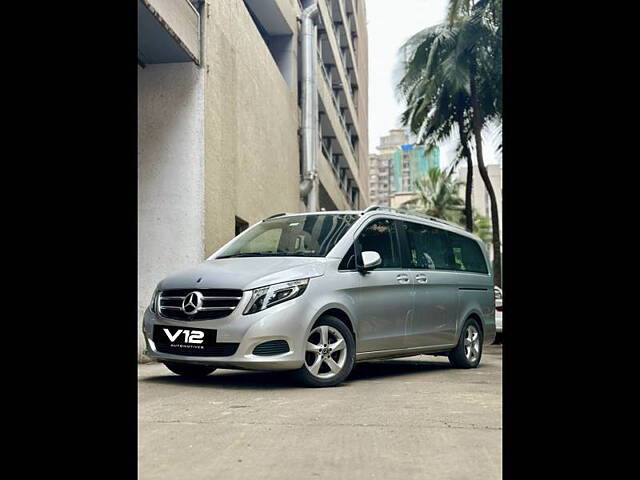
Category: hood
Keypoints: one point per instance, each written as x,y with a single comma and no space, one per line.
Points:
245,273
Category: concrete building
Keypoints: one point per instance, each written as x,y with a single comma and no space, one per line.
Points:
396,167
221,121
380,166
379,185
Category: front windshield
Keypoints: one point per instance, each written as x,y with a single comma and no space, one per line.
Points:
299,236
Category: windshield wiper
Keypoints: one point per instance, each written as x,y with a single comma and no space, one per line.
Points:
255,254
267,254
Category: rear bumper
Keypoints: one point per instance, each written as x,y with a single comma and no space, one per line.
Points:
498,322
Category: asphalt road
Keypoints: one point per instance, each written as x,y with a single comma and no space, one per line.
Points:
406,418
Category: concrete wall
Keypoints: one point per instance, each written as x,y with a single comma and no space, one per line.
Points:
170,173
251,126
362,47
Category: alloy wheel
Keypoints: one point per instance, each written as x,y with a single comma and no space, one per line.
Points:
472,343
326,352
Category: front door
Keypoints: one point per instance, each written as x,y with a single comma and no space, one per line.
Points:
384,299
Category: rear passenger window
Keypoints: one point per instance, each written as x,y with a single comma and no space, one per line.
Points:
428,247
380,236
440,248
418,244
467,254
431,248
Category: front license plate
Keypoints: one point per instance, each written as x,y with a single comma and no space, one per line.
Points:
183,340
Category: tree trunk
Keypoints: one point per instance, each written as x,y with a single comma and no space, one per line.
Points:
477,133
468,207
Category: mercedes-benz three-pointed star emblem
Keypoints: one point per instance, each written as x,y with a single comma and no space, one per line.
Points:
192,303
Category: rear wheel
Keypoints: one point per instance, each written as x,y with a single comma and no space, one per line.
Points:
330,353
468,352
189,371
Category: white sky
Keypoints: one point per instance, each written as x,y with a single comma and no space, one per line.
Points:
390,23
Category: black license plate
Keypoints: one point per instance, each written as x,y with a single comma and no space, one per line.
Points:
183,340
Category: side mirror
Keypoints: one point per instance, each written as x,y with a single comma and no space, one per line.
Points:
370,260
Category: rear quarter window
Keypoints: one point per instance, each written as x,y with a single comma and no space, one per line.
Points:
466,254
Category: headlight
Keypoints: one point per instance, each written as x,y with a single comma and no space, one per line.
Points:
154,301
271,295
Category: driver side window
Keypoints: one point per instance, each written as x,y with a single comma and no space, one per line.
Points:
381,236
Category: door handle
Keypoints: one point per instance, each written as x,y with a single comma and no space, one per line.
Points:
421,278
403,278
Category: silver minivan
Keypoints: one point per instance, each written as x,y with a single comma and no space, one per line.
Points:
316,292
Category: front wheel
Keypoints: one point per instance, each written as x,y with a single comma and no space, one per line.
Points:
330,353
189,371
468,352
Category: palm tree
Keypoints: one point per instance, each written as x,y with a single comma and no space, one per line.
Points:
437,196
435,107
461,60
479,47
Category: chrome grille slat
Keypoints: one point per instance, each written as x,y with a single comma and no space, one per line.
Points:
220,298
216,303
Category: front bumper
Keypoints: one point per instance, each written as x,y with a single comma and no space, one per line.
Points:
288,321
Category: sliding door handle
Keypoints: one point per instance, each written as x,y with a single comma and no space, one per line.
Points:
402,278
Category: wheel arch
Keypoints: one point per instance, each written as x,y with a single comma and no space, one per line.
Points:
339,313
477,318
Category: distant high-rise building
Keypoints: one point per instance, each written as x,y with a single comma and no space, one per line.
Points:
409,163
394,170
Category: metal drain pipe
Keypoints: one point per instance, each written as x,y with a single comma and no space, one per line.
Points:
309,186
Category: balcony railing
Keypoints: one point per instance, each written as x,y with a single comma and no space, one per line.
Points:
344,187
336,104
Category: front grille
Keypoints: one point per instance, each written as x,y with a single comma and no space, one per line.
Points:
272,347
217,303
216,350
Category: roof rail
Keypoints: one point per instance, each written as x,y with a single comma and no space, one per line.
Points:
413,213
275,215
430,217
371,208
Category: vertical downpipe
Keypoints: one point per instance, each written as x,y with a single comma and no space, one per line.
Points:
309,188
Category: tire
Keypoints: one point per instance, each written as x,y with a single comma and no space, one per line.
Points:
189,371
498,339
468,352
323,366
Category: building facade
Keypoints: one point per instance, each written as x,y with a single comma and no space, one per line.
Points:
480,200
220,117
395,168
409,163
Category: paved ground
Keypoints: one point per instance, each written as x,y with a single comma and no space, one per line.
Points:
405,418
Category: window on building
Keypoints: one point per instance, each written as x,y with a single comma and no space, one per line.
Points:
241,225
